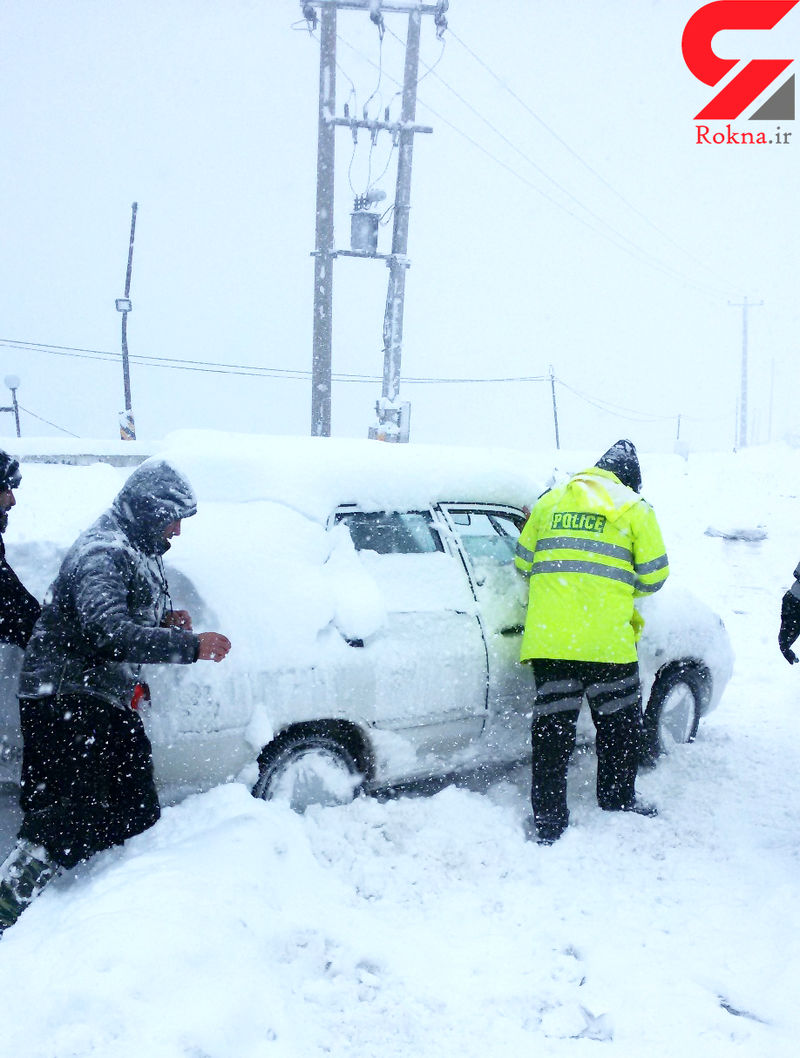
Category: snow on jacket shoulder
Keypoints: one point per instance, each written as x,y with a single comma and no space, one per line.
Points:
590,547
102,615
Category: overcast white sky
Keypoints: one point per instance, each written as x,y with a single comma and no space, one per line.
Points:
581,227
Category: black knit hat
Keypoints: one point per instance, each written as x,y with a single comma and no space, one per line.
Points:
621,459
10,476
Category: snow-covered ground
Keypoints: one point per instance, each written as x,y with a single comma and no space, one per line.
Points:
427,925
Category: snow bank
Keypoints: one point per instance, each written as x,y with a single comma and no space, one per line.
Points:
428,926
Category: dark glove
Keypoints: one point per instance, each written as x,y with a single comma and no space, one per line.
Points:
788,653
790,626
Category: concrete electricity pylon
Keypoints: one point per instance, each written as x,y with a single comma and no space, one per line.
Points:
744,306
127,427
392,415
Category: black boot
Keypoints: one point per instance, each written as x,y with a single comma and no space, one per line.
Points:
641,808
26,871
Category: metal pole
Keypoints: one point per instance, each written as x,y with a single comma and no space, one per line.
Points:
398,262
127,429
555,408
324,252
16,408
744,306
743,398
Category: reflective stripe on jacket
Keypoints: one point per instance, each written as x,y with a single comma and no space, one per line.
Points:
590,547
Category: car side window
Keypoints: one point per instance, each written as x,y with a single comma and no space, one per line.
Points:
392,532
487,534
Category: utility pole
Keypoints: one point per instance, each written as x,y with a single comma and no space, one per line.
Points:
323,247
392,415
127,429
13,383
388,413
555,409
744,306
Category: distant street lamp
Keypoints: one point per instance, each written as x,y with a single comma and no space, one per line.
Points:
13,383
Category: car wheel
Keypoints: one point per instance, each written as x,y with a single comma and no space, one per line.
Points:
307,769
673,711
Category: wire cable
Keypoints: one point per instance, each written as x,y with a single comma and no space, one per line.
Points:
53,424
633,250
615,191
632,414
535,165
245,370
376,90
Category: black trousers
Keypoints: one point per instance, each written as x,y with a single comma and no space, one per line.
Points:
614,696
87,776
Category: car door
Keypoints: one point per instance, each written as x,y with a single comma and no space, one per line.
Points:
487,536
427,665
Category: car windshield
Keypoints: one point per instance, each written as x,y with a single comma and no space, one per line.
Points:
391,532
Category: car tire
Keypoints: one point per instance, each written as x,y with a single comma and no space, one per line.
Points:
673,711
305,769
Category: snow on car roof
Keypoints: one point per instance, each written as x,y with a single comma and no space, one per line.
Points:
316,474
312,475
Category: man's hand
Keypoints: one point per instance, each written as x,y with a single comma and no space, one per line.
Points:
177,619
212,646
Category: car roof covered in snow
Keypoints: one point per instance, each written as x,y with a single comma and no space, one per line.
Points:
314,475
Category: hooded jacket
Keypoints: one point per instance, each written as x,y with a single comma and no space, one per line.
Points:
590,547
102,615
18,608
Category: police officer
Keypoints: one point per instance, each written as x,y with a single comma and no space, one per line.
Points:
589,547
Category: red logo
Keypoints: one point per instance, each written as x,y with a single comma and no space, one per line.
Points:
755,76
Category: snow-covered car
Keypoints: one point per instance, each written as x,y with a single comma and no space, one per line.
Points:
370,594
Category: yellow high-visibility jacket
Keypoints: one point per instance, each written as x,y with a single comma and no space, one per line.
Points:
590,547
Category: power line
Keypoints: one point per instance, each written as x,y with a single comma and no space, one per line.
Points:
615,191
535,165
633,250
633,414
53,424
245,370
106,356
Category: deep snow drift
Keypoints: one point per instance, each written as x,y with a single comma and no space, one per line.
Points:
427,926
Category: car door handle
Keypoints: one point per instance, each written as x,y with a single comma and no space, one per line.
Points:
354,642
512,630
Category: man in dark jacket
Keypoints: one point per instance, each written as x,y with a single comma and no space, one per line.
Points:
18,608
87,772
790,619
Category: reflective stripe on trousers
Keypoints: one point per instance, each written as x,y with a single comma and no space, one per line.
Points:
608,687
